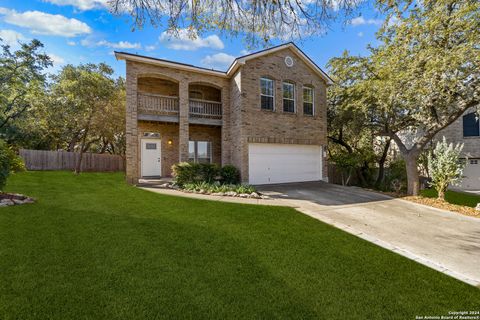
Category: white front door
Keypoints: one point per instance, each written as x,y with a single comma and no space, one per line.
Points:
281,163
151,158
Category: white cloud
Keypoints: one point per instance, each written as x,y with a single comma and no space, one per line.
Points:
113,45
11,37
244,52
81,4
360,34
150,48
57,60
218,61
189,41
44,23
358,21
71,43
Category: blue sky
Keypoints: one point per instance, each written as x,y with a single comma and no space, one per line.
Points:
81,31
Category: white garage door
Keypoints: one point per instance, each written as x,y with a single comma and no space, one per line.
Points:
280,163
471,173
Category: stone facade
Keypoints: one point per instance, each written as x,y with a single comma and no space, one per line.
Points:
242,122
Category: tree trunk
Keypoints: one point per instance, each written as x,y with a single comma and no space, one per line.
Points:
78,165
381,164
441,194
413,179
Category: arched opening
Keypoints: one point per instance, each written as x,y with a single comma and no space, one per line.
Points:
157,96
205,101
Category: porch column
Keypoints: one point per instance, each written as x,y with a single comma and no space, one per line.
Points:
183,132
226,139
131,152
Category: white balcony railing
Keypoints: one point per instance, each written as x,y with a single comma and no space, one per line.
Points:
205,109
156,104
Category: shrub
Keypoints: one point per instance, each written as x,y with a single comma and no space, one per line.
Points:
217,187
444,166
10,162
229,174
186,172
209,172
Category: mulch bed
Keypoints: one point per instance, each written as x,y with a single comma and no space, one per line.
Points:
440,204
433,202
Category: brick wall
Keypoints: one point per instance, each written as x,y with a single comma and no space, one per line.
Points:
454,133
276,126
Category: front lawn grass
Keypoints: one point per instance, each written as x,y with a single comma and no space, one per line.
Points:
94,248
454,197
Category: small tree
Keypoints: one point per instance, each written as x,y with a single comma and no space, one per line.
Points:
444,166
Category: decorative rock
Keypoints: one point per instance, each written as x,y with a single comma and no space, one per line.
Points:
254,195
3,204
8,202
220,194
477,207
264,197
18,201
165,185
28,200
231,193
244,195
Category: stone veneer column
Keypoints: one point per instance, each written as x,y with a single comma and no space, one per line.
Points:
183,130
131,152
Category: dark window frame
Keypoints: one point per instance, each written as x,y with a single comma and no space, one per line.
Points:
471,125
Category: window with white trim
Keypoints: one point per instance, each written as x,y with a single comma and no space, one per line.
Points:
200,151
267,94
288,97
308,98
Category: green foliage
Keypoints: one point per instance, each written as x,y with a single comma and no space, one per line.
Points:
4,164
21,79
187,172
206,187
10,162
396,176
229,174
444,166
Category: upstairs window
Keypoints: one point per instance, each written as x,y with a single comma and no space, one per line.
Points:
267,94
288,97
200,151
308,107
471,125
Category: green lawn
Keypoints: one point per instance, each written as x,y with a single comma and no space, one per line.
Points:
454,197
94,248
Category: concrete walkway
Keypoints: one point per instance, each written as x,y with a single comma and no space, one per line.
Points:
442,240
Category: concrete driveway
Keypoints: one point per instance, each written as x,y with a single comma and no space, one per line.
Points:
443,240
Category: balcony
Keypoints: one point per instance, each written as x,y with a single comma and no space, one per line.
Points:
204,109
156,107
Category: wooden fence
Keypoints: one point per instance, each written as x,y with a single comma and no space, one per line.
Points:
63,160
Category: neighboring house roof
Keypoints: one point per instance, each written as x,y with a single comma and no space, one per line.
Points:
233,67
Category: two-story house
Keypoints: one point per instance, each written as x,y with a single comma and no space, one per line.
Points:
266,115
466,130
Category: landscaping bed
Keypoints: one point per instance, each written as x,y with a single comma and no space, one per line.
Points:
11,199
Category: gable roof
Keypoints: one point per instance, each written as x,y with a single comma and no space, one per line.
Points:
233,67
241,60
167,63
